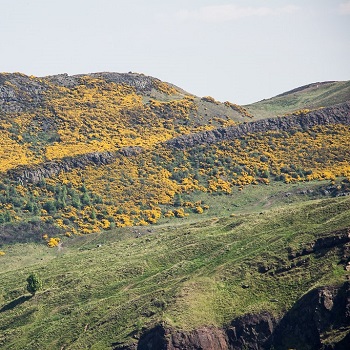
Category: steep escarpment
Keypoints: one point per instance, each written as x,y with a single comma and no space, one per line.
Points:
339,114
36,173
320,319
316,320
51,169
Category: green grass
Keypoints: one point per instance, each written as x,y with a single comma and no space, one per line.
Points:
252,199
323,95
183,273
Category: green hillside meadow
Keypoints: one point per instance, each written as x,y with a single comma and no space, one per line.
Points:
106,288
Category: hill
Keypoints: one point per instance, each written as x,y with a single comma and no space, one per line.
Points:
311,96
54,117
154,216
86,153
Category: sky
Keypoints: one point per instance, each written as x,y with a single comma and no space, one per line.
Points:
237,51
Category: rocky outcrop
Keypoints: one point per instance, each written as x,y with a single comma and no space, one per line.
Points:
306,325
209,338
251,331
37,173
141,82
309,325
19,92
338,114
247,332
204,338
339,239
131,151
336,238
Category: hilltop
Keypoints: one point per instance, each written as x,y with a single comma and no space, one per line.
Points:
160,219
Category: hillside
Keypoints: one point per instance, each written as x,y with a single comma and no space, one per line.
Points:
159,219
107,289
87,153
311,96
53,117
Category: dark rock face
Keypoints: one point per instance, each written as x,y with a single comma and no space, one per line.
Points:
318,311
131,151
203,338
304,327
208,338
338,114
19,92
336,238
36,173
153,339
251,331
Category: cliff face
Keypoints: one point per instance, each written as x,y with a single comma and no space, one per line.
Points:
319,320
19,93
308,325
35,174
339,114
313,319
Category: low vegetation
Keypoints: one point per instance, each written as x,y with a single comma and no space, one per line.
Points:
312,96
142,188
104,289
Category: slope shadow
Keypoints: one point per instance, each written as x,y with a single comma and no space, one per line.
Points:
15,303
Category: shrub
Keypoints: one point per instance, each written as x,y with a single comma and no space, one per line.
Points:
53,242
34,284
198,210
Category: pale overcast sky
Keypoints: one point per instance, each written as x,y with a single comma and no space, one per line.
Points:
241,51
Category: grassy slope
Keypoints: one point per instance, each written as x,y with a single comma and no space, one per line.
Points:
311,97
185,273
